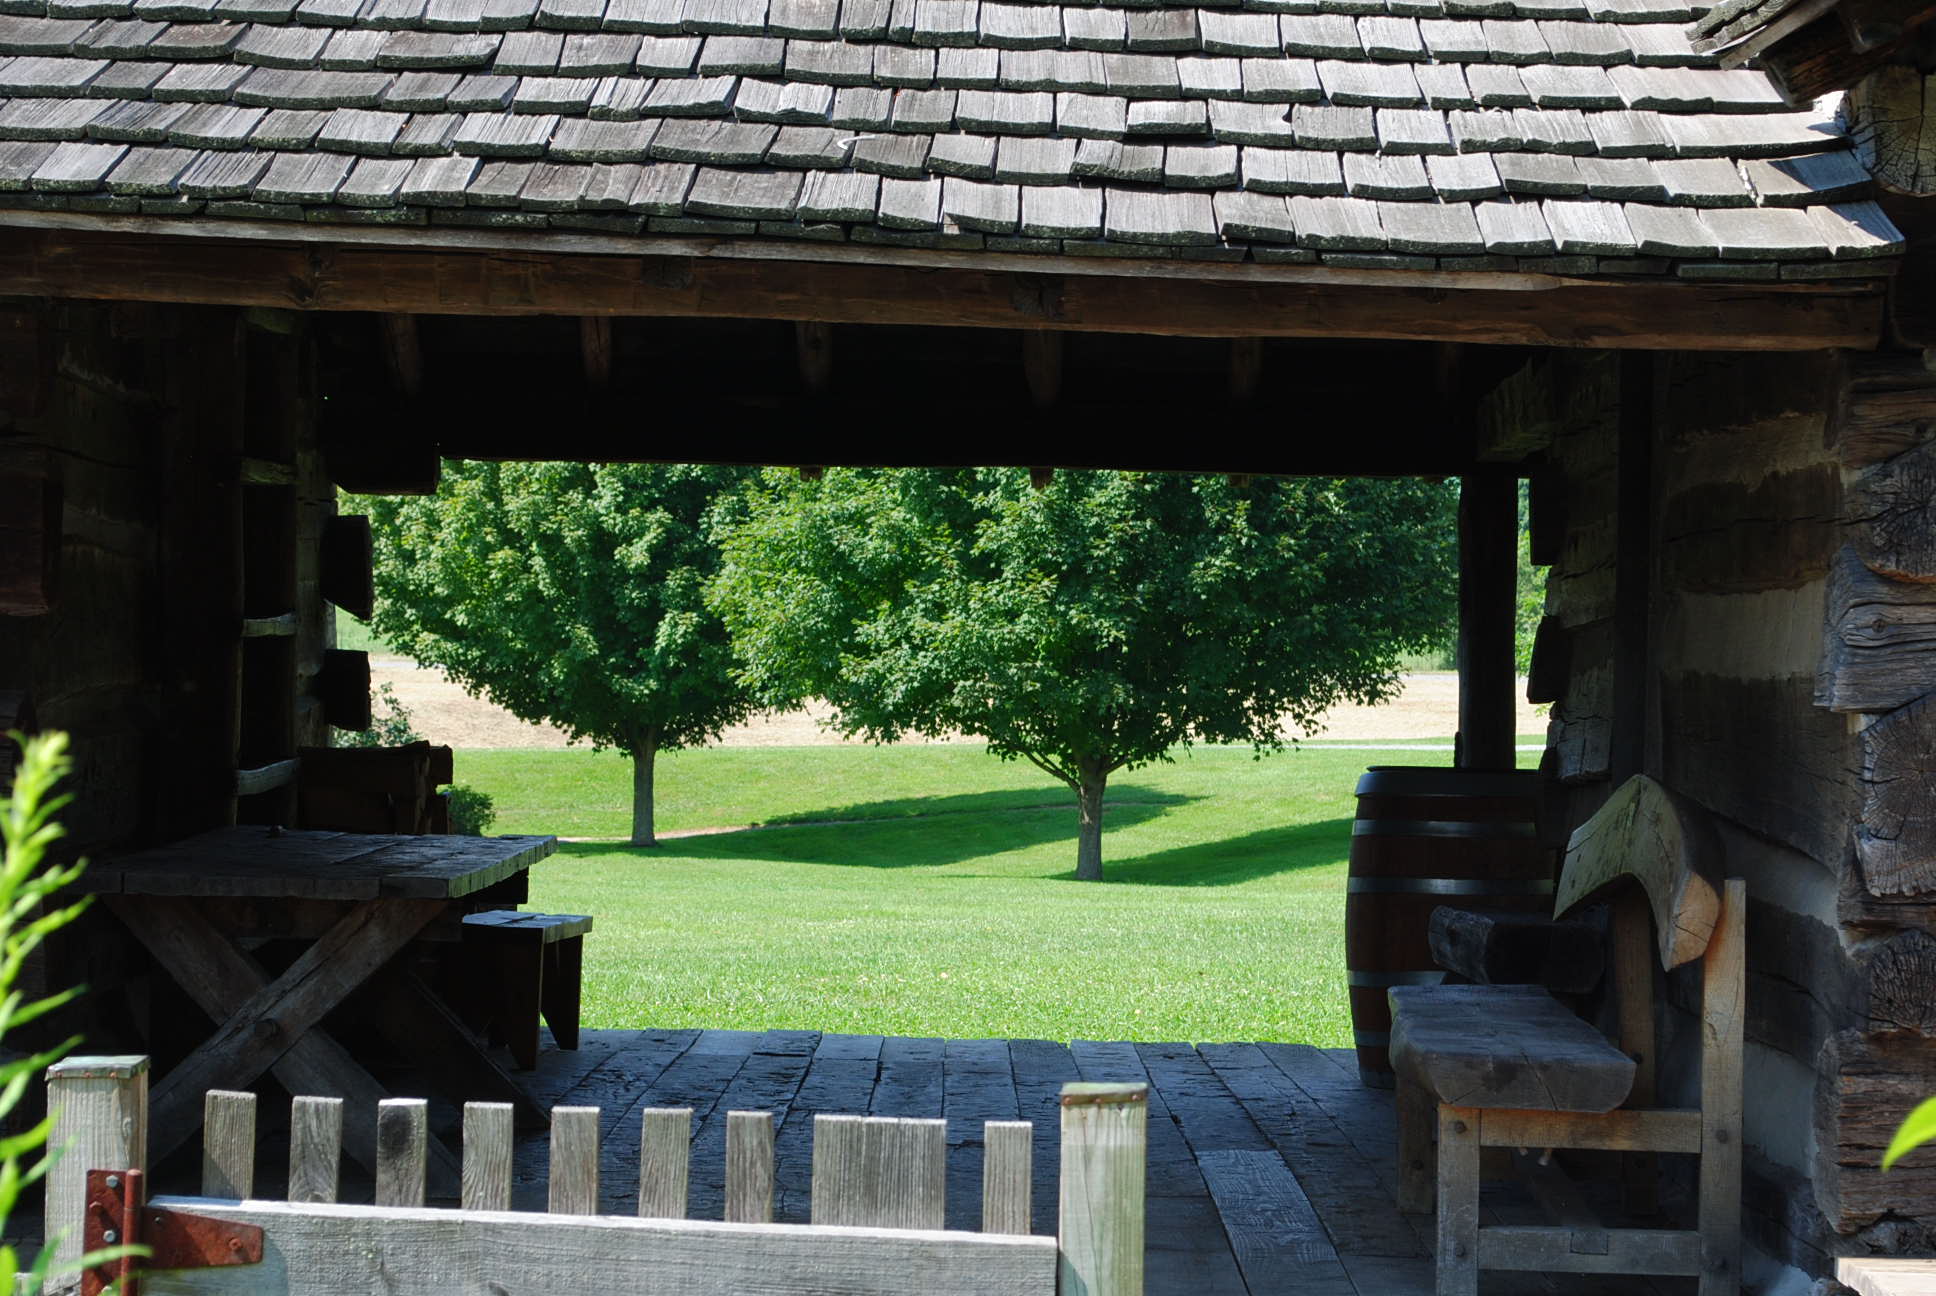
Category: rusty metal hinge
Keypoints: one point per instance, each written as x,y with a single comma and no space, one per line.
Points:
118,1214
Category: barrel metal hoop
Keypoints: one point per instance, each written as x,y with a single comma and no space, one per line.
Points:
1494,828
1429,978
1448,886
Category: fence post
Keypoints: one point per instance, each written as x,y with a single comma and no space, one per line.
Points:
1105,1142
100,1110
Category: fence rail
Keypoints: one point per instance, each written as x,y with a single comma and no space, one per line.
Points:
878,1196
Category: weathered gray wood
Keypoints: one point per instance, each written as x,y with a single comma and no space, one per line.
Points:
240,1050
1662,841
749,1167
1890,124
1006,1194
487,1155
1723,1011
1104,1141
1560,1250
1457,1252
574,1161
1504,1046
1878,639
228,1144
1886,1276
665,1140
1869,1080
402,1137
1498,948
1279,1243
1418,1115
1893,499
1896,839
330,1250
879,1171
315,1148
100,1111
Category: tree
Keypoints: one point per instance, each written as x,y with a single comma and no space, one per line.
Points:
569,593
1091,626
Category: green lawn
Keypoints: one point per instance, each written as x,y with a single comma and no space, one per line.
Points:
948,908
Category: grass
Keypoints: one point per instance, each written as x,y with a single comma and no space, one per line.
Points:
356,636
946,907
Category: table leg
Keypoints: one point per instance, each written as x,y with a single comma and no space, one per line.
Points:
271,1024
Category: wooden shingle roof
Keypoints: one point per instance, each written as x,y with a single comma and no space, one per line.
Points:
1578,137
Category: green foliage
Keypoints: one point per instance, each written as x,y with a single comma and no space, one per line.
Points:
1529,604
1918,1128
27,883
1089,627
471,811
571,594
390,724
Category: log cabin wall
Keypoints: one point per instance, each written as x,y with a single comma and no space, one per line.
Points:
139,428
1778,486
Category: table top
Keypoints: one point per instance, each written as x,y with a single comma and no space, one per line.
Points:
286,863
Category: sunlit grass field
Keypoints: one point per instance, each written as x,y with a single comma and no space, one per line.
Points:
927,890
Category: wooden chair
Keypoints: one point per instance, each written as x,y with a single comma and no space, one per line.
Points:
1511,1067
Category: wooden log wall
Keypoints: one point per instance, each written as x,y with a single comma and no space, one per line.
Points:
1791,613
144,426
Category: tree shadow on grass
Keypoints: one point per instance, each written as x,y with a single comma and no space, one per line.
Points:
1233,860
920,832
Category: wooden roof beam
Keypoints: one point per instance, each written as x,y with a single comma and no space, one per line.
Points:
958,289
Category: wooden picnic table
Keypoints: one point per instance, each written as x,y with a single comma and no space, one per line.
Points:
201,905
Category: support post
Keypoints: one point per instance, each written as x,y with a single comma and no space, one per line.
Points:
100,1111
1105,1141
1488,582
1632,568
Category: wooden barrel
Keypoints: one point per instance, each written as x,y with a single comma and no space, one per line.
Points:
1426,837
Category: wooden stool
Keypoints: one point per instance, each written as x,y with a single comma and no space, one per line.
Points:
536,961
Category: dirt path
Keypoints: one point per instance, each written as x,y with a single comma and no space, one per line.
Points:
444,713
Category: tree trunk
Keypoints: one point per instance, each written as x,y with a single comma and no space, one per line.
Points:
644,750
1089,836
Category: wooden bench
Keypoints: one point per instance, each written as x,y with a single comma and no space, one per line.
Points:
534,962
1510,1066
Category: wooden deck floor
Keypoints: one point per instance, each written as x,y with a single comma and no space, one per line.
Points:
1270,1165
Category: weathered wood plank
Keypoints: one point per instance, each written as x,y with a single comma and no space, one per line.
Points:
1007,1188
1504,1046
1040,1069
1896,841
402,1137
1456,1254
1664,842
1242,301
1278,1240
1869,1081
1723,1018
315,1148
487,1156
1893,500
1878,639
328,1250
574,1161
840,1078
1100,1227
879,1171
228,1144
1348,1190
766,1082
665,1164
749,1167
100,1111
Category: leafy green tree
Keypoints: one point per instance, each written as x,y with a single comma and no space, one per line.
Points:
1091,626
572,594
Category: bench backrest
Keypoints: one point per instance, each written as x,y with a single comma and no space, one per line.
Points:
1649,835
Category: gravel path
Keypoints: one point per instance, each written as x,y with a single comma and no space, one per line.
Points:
444,713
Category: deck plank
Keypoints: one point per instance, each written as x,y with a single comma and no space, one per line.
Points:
767,1083
1273,1230
839,1081
978,1085
1041,1068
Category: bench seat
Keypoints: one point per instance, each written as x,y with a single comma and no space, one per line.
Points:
528,965
1504,1046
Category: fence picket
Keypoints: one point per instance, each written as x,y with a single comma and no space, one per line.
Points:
100,1109
574,1161
402,1148
749,1167
315,1148
228,1144
665,1162
1105,1139
1006,1187
879,1171
487,1156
